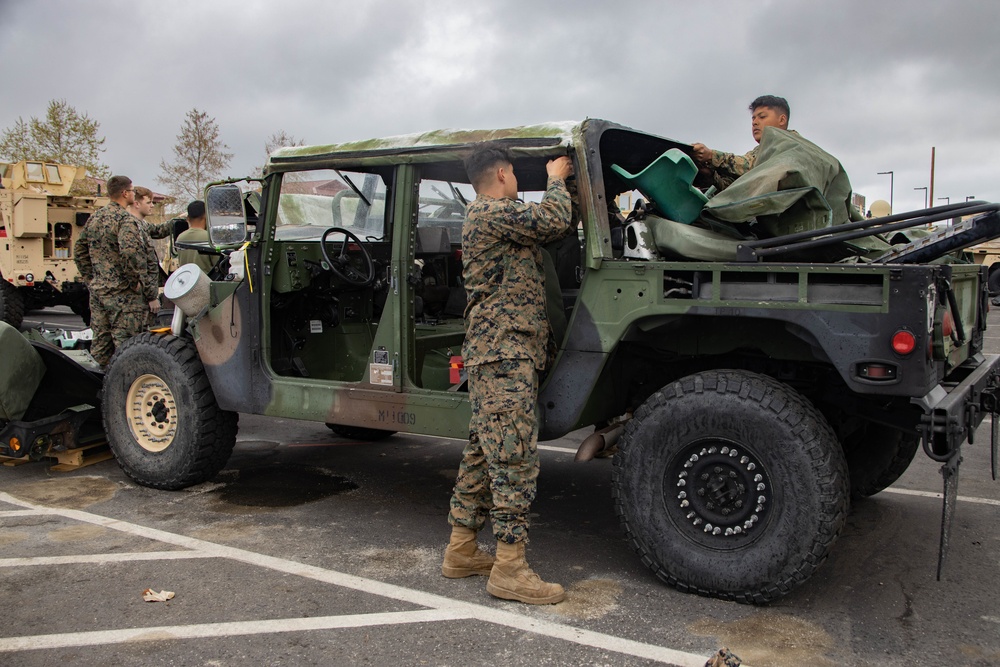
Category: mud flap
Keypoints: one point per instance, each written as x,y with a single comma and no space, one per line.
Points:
949,471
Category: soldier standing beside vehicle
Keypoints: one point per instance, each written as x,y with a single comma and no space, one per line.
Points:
504,350
141,209
723,168
195,233
111,255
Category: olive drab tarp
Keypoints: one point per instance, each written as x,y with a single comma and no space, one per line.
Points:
21,371
795,186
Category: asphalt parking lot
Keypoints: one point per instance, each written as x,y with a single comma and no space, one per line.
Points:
312,549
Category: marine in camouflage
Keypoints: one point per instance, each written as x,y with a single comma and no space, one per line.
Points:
504,275
505,347
112,255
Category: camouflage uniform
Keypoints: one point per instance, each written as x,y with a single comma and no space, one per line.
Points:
112,255
505,347
159,230
727,167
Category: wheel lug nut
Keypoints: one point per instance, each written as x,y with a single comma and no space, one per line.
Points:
701,492
739,504
704,476
718,470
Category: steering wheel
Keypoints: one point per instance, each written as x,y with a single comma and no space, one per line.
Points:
340,264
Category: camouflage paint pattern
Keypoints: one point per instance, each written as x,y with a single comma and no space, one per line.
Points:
618,300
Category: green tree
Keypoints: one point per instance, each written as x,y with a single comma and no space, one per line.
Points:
199,158
63,135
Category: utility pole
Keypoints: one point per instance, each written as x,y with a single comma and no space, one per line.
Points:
891,179
932,173
924,188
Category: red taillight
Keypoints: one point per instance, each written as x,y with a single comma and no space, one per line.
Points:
947,324
455,368
903,342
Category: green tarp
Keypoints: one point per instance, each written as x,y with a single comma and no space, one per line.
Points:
21,371
795,186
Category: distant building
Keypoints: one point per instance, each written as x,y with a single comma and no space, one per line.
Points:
858,200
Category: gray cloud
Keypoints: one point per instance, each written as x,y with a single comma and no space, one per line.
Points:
876,83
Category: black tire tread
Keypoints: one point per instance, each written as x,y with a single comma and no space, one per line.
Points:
873,474
11,305
785,404
215,431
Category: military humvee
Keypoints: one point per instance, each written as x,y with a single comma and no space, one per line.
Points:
763,390
40,221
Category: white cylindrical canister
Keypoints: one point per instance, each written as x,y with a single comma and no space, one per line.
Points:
187,287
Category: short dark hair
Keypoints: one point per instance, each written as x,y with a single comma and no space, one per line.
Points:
141,192
772,101
196,209
117,185
485,157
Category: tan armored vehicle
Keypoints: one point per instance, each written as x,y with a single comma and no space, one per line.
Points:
39,223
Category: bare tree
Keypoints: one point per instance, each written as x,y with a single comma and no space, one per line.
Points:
273,143
199,157
63,135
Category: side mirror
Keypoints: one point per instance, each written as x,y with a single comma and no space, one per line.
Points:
227,221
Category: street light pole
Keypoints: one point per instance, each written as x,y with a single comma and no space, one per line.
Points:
947,200
970,197
891,179
925,194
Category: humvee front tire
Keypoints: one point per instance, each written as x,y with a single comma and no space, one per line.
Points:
11,305
732,485
160,414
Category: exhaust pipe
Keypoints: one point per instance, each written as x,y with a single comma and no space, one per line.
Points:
599,441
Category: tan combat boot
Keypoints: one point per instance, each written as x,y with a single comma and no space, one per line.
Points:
462,556
512,579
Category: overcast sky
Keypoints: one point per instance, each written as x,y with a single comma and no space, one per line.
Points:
875,83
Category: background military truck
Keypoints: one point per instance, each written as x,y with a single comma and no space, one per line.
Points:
760,391
39,223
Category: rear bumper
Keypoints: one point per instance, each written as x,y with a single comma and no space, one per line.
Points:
953,410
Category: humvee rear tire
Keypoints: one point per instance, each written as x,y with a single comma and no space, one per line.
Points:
160,414
359,432
81,308
732,485
877,456
993,282
11,305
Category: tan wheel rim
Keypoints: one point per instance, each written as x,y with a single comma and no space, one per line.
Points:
152,413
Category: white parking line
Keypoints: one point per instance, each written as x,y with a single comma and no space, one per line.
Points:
436,603
932,494
200,631
104,558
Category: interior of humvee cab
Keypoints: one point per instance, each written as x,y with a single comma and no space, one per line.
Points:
323,326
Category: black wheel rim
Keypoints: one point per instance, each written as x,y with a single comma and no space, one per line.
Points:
718,493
